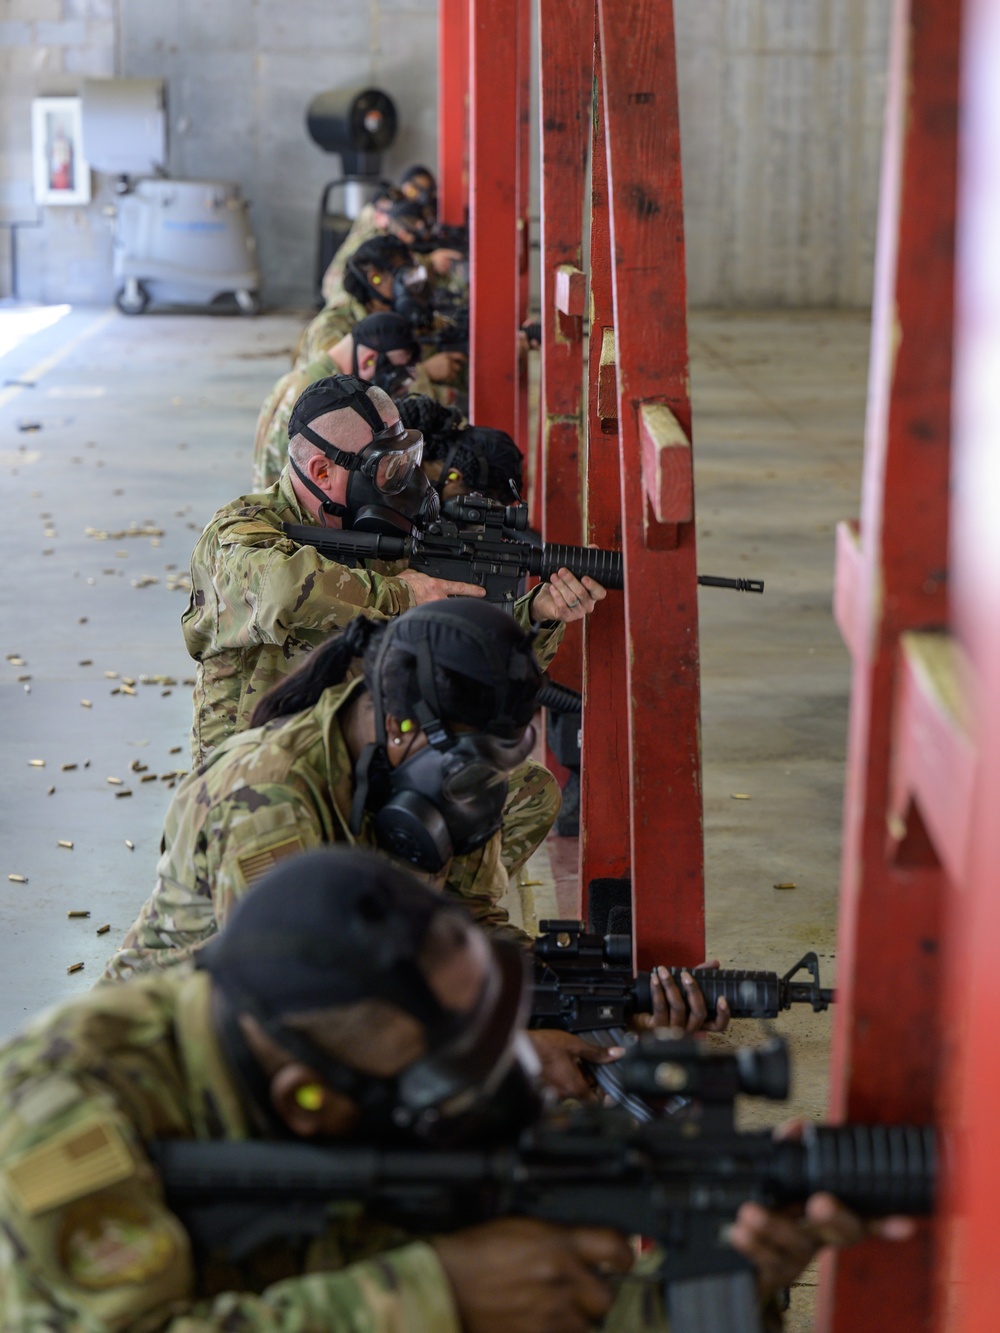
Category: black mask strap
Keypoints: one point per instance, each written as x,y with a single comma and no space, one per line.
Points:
326,505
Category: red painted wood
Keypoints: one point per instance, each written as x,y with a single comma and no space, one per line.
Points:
522,208
605,825
570,291
973,974
493,234
933,762
647,234
847,580
453,120
667,471
887,1037
565,87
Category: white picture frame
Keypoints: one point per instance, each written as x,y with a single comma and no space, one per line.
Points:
60,172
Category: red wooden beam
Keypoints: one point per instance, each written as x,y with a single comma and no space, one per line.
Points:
887,1024
453,118
605,827
493,233
647,233
566,75
974,977
522,209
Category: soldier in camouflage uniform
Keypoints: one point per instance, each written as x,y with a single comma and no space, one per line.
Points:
88,1243
300,777
376,261
351,355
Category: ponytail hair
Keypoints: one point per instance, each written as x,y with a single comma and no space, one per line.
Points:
324,667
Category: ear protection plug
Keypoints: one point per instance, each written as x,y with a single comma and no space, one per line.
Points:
309,1096
406,726
376,280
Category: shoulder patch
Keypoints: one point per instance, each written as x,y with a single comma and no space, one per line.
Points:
256,863
89,1156
109,1242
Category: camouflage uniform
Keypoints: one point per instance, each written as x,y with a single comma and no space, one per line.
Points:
327,328
270,444
285,788
87,1244
258,602
362,229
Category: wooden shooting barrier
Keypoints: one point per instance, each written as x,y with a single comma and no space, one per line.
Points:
641,812
917,593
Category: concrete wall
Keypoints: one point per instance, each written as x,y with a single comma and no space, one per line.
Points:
46,48
781,104
781,119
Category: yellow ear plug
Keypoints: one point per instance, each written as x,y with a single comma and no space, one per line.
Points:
309,1096
406,726
453,475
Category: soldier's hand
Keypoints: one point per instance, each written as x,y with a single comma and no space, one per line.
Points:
566,598
560,1054
442,261
524,1276
781,1242
443,367
426,589
681,1009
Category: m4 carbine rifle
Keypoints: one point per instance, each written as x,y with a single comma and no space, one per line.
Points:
678,1181
471,544
585,983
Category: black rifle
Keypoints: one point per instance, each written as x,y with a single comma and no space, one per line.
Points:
678,1181
470,544
585,983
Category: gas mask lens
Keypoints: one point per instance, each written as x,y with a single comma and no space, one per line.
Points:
394,470
414,280
478,763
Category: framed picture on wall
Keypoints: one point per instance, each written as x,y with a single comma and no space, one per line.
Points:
61,174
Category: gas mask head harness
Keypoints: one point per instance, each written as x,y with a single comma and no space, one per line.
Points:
386,490
338,926
447,799
384,333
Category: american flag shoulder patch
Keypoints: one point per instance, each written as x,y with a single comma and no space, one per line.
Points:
256,863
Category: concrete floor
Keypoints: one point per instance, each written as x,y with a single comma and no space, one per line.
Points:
149,422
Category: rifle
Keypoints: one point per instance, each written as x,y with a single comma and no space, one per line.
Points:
470,544
677,1181
585,983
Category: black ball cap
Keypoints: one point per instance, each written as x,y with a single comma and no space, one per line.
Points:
330,927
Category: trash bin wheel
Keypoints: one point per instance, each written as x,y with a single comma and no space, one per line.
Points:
248,302
132,299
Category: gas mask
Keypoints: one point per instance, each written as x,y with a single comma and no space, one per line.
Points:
411,296
387,491
478,1082
448,798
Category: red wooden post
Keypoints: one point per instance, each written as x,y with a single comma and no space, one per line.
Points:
975,547
522,271
893,580
605,835
661,608
566,62
493,235
453,119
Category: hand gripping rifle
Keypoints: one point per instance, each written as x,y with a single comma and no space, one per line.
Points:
471,543
678,1181
585,983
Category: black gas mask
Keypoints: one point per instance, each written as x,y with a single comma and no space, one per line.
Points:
448,798
384,333
338,926
387,491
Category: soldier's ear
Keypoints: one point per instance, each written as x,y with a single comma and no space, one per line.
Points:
307,1106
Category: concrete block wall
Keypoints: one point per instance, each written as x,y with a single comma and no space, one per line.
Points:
46,48
781,126
240,75
781,107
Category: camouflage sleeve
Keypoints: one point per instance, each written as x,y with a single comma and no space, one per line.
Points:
289,589
87,1245
548,635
